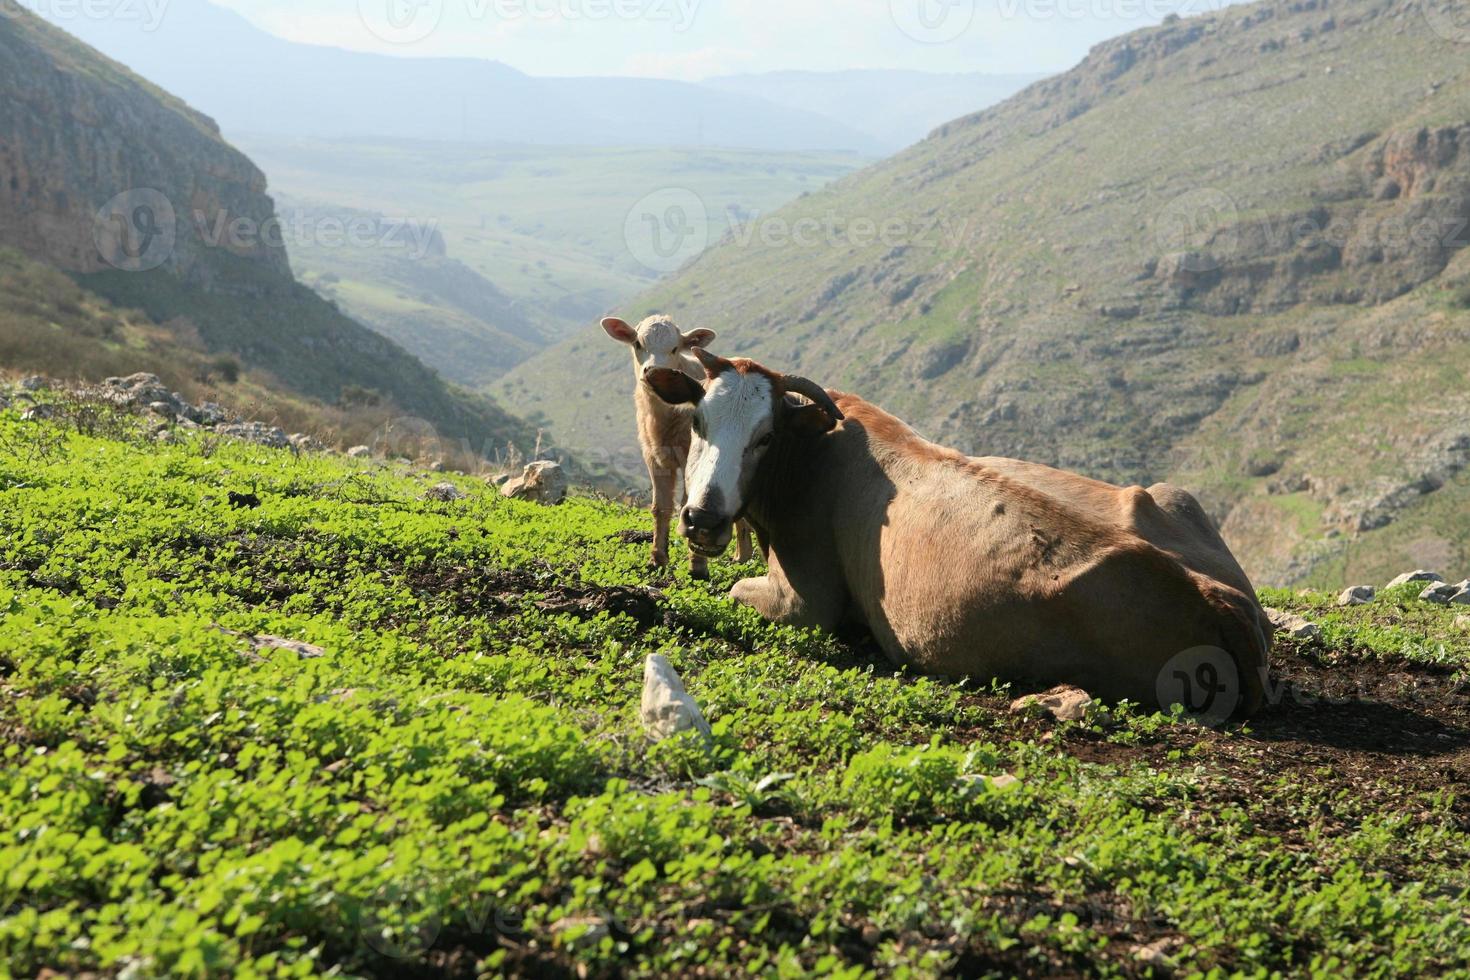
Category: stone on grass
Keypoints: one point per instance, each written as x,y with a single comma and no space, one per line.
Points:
1063,702
1439,593
1294,626
359,452
1461,598
1462,622
543,482
38,412
1358,595
445,492
1418,575
262,645
667,708
256,432
305,443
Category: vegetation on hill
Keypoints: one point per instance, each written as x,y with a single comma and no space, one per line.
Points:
450,780
1225,251
51,326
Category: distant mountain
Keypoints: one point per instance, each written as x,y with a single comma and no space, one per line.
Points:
251,81
137,196
895,108
1228,250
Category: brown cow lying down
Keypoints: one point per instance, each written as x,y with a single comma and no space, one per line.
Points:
966,567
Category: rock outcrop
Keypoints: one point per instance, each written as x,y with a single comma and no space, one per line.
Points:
100,170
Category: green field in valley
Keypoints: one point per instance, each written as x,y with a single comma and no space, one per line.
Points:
454,780
547,227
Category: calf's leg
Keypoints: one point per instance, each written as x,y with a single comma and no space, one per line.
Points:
663,512
743,550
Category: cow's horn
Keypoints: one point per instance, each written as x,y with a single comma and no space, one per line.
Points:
814,391
713,363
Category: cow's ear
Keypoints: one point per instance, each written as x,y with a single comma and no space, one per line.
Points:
698,338
812,419
674,387
619,330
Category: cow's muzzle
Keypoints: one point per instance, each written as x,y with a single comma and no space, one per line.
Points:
707,531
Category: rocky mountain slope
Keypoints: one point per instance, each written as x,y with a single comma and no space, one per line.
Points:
1227,251
137,196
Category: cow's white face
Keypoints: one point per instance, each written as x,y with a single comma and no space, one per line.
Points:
734,423
658,343
739,410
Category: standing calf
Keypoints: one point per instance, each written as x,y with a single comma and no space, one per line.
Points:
663,429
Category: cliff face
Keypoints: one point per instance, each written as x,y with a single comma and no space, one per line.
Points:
100,170
137,196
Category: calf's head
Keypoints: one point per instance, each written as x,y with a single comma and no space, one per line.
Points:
740,409
657,344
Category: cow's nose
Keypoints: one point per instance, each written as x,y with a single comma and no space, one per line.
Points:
703,520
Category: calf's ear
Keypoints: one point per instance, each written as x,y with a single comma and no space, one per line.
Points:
698,338
619,330
674,387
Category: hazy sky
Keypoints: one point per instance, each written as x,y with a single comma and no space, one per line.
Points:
693,39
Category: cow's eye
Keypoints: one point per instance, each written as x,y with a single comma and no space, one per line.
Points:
637,345
764,440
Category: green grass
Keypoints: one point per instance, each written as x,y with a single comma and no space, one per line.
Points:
459,785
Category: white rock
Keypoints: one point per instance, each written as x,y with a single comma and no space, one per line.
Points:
1358,595
667,708
359,452
1420,575
1064,703
445,492
542,482
1293,625
1462,622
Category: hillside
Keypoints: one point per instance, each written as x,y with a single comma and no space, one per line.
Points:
466,100
1101,273
535,240
268,714
895,108
139,198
